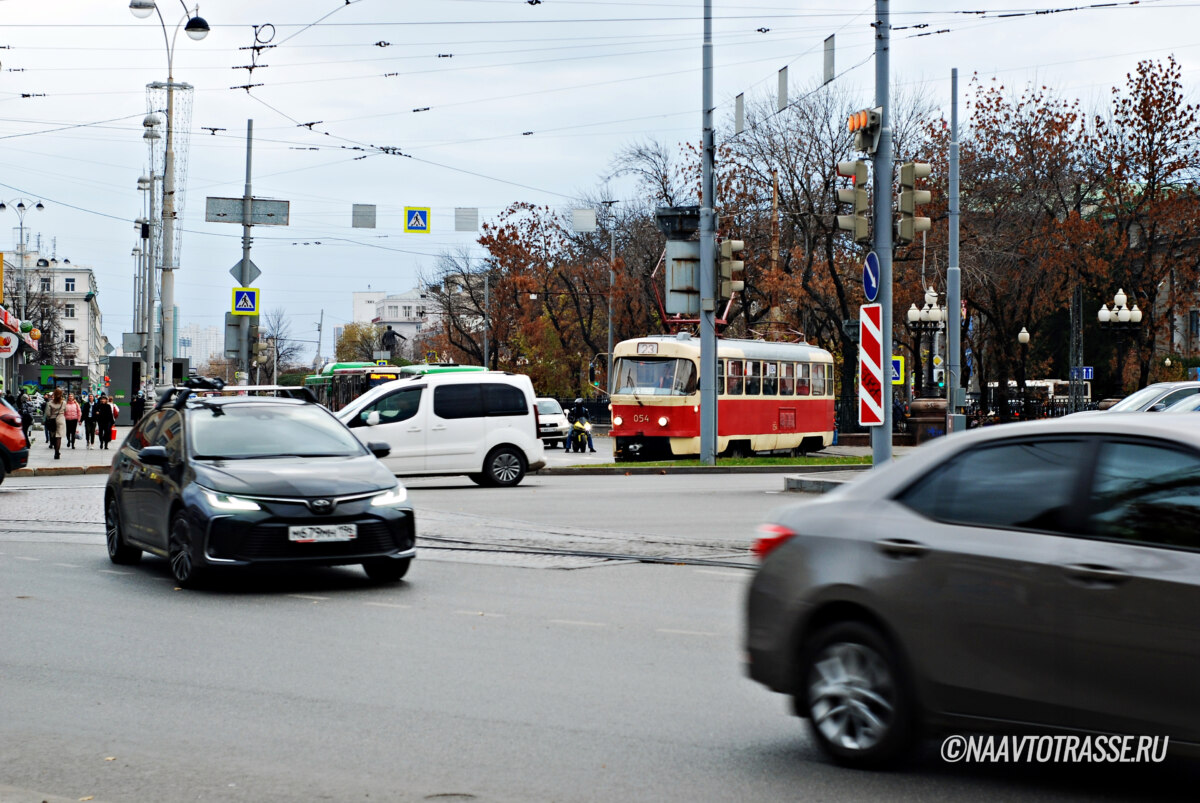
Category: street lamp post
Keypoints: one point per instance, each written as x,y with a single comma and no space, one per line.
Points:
22,289
927,319
1123,321
196,29
612,277
1023,339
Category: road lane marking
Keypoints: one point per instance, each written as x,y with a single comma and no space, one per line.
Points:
22,557
481,613
685,632
577,623
720,574
67,565
308,597
386,605
112,571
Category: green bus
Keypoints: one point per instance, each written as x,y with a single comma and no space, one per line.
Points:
321,383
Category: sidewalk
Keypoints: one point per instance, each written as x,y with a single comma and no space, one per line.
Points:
80,460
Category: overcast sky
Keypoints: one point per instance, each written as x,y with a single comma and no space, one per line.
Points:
585,78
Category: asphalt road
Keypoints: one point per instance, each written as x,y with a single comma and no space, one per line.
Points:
483,676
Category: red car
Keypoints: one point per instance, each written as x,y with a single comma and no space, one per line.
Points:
14,448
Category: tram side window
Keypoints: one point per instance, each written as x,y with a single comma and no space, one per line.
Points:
787,379
753,377
734,383
721,377
770,383
818,380
802,378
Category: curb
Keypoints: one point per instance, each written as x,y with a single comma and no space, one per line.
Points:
641,470
59,471
811,484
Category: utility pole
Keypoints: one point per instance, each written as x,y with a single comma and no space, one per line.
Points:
955,421
247,200
708,261
486,317
320,323
881,436
612,278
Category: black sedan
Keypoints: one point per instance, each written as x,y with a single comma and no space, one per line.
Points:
228,480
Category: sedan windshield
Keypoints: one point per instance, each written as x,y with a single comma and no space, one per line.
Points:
659,376
238,431
1137,401
549,407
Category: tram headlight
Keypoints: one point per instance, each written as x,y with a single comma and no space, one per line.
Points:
617,420
662,422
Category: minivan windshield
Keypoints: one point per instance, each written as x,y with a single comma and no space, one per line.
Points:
657,376
241,431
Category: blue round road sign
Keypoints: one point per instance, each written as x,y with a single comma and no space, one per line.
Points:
871,277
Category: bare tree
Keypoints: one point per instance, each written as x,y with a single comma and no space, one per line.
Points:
278,329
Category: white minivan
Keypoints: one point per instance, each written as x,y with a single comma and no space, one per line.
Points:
482,424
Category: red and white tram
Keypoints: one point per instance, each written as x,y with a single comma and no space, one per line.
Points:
770,396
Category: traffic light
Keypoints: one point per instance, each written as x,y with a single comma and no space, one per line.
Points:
910,199
939,377
865,125
857,198
592,375
731,272
257,347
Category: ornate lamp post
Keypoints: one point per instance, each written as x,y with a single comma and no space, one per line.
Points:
929,319
1122,321
21,289
1023,339
196,29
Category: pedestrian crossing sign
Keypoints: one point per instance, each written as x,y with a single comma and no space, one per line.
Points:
245,301
416,219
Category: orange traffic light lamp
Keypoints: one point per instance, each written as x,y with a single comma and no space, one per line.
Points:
865,125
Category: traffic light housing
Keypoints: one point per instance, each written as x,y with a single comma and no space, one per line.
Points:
731,272
865,125
856,196
910,198
592,375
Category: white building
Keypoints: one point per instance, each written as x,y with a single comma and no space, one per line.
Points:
201,344
409,314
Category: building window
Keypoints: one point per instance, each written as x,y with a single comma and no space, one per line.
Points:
392,311
68,310
69,336
45,285
407,312
418,327
69,285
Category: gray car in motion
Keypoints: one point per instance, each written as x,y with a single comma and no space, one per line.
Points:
1040,576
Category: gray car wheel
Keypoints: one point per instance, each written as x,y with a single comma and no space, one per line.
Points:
180,554
504,467
118,551
855,696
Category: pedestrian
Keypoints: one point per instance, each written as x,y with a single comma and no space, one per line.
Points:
137,407
86,409
54,418
105,418
45,427
72,416
580,413
26,409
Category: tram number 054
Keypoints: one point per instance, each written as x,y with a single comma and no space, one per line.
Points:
641,418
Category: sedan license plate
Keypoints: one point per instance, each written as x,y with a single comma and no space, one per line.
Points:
327,532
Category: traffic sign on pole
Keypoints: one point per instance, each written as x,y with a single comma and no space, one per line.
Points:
871,276
870,365
245,301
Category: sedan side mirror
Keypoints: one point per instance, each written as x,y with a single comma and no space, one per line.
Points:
1157,408
380,449
371,419
153,455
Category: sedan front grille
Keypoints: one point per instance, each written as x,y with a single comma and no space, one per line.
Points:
270,541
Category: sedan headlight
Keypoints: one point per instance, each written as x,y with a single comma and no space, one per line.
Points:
390,498
222,501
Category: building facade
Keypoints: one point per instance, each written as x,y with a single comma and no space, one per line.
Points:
410,315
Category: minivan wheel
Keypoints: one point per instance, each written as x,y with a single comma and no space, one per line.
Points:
386,570
855,696
118,551
504,467
180,554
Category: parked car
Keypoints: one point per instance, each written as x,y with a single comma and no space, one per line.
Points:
1151,399
229,480
1188,404
14,448
483,424
553,425
1042,575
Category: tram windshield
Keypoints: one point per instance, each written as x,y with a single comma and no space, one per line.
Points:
656,376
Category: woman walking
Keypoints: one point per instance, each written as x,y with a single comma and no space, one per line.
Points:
73,415
55,421
89,424
104,420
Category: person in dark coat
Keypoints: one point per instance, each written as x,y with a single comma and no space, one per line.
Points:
137,407
86,407
104,420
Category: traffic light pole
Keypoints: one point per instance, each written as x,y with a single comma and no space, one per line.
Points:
881,436
708,263
954,392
